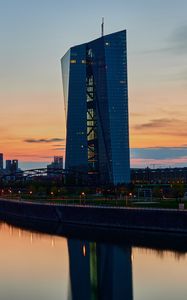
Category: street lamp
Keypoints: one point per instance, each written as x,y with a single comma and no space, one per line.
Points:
19,192
10,192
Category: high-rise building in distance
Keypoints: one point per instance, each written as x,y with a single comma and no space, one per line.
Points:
12,165
58,161
1,161
95,91
8,165
56,165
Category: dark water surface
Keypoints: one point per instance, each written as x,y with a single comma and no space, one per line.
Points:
36,266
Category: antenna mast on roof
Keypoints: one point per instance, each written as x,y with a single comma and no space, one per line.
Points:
102,27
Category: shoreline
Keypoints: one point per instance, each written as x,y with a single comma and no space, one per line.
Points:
146,219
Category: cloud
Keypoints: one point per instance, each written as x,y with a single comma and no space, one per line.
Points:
174,110
178,40
137,114
155,123
26,155
165,156
47,156
159,153
158,50
59,148
143,163
44,140
163,126
175,44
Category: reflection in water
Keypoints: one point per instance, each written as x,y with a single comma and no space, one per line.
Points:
99,271
161,253
36,266
33,266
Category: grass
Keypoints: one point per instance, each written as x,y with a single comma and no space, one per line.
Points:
156,202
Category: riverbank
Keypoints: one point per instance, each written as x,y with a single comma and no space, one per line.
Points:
164,220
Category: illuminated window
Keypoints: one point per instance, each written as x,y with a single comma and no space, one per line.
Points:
73,61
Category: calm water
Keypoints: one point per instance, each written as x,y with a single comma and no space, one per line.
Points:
39,266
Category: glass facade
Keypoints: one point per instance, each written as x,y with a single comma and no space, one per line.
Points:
96,101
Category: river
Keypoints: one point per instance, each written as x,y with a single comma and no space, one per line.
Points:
38,266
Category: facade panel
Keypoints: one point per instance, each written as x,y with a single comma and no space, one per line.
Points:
65,66
117,90
76,138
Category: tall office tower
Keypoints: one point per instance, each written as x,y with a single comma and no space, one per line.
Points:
1,161
57,164
95,90
14,165
58,161
8,165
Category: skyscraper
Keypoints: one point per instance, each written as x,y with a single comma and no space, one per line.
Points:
95,90
12,165
1,161
8,165
56,165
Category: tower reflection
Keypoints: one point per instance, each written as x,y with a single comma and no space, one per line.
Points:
100,271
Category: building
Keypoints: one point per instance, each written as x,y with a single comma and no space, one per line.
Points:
55,166
58,162
159,176
12,166
1,161
8,165
95,90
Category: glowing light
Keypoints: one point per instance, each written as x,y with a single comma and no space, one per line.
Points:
84,250
52,243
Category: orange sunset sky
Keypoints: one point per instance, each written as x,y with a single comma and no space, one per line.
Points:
36,34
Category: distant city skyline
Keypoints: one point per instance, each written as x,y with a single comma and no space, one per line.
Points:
33,37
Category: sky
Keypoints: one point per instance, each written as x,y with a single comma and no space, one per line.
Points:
35,34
